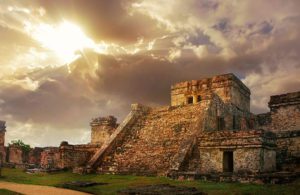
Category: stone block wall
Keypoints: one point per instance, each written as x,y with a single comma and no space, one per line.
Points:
253,151
50,157
72,156
2,141
16,155
34,156
233,118
285,118
211,160
284,114
269,160
288,150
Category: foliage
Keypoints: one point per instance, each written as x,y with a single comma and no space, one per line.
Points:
25,147
119,182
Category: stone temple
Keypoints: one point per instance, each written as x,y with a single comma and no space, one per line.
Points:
207,130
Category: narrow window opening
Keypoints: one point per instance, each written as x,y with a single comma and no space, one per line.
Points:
221,123
198,98
228,161
190,100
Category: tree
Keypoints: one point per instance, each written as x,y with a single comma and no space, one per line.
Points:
25,147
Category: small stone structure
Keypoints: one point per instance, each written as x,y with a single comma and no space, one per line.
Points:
207,130
102,128
228,87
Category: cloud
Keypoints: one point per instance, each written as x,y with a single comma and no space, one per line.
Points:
149,46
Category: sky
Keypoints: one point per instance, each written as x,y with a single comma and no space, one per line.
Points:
66,62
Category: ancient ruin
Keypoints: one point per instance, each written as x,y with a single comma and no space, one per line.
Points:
2,141
208,130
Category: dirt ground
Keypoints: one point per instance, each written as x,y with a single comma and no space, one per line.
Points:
37,190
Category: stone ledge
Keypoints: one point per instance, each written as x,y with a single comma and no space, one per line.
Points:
284,99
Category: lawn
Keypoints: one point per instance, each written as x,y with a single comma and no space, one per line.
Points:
118,182
8,192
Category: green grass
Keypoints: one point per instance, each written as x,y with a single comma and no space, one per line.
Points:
8,192
118,182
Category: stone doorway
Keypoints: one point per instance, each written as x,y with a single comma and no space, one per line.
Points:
228,161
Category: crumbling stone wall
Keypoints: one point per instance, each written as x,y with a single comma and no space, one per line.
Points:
50,157
72,156
2,141
16,155
34,156
232,117
288,150
284,114
284,121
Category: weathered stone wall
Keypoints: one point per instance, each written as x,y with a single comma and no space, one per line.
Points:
2,141
247,160
284,115
244,160
288,150
75,155
264,120
211,160
67,156
233,117
2,138
102,128
285,118
50,157
269,160
34,156
253,150
228,87
16,155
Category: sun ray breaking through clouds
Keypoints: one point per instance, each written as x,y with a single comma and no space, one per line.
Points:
65,62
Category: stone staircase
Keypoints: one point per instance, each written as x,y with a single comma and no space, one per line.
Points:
158,141
116,139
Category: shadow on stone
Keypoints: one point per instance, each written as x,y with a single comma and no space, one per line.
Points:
81,184
161,189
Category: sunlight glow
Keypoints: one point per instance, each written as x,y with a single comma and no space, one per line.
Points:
65,40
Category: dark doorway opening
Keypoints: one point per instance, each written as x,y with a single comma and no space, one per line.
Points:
190,100
228,161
